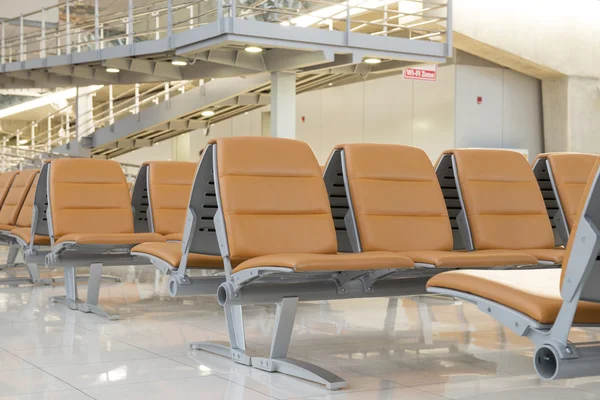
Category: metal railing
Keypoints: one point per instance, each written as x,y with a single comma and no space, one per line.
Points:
17,158
412,19
129,102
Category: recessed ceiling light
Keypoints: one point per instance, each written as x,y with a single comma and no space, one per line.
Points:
111,70
253,49
208,113
372,60
179,61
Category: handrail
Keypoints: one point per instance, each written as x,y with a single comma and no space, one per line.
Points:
423,19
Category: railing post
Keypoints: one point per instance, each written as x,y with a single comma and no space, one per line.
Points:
96,25
347,22
111,106
49,143
3,55
67,129
33,136
4,154
233,13
68,39
449,28
385,18
130,23
137,99
156,24
220,16
170,19
43,42
21,43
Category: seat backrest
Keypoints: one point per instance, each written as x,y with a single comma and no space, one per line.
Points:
25,215
396,199
583,246
169,184
273,197
504,206
16,196
6,181
88,196
571,172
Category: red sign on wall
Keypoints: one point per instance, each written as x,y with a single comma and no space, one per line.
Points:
423,73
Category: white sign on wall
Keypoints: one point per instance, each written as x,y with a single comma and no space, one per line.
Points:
422,73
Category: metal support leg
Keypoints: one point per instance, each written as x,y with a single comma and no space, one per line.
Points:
13,251
71,300
93,294
278,361
34,273
236,349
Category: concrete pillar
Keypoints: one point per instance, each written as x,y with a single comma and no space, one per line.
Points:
571,108
283,105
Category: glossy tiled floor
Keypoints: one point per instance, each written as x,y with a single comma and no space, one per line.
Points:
419,348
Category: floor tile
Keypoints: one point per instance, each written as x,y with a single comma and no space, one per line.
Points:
204,388
31,380
122,372
10,361
386,394
102,351
62,395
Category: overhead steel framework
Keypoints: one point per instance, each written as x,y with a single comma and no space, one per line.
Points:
199,51
141,42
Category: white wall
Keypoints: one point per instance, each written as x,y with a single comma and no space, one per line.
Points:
558,34
509,116
432,115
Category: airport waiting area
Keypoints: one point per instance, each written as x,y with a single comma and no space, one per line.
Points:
378,274
299,200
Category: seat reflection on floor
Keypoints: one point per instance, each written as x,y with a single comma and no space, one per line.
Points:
420,347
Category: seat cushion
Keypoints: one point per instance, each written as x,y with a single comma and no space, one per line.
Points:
305,262
172,237
170,252
554,255
25,234
110,238
469,259
6,227
535,293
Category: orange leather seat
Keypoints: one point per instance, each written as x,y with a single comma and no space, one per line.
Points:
471,259
171,254
169,187
23,225
399,206
555,255
303,262
503,202
174,237
6,181
90,204
5,227
276,209
570,172
25,234
535,293
111,238
15,198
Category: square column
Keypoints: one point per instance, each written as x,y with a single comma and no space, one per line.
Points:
283,105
